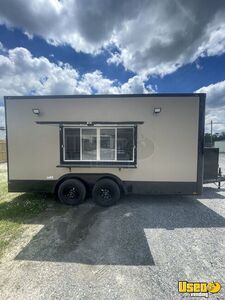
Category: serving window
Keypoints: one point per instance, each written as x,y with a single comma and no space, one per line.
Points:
99,145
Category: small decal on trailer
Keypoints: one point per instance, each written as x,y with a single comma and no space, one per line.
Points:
50,177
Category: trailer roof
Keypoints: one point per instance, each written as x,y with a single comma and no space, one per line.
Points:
106,96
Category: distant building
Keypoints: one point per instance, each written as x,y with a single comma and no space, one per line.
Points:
220,145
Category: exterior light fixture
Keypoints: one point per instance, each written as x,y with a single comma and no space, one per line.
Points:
36,111
157,110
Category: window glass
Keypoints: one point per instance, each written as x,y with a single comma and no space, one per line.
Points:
125,143
107,144
72,143
89,144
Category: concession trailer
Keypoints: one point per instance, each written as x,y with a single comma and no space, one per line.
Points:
105,145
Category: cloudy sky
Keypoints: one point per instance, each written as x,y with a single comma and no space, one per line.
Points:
114,46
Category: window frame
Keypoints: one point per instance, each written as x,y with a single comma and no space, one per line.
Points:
93,163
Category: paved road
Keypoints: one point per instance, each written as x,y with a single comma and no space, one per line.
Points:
138,249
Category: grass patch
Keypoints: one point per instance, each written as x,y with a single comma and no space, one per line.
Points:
16,209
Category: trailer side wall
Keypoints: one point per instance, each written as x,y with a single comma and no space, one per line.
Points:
167,143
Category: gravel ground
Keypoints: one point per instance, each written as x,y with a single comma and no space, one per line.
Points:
138,249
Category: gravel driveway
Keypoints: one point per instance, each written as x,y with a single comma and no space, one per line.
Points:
138,249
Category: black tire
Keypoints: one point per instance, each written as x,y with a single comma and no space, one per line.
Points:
72,192
106,192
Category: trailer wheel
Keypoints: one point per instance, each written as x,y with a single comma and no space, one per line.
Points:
106,192
71,192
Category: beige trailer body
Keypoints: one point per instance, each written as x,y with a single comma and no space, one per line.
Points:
167,148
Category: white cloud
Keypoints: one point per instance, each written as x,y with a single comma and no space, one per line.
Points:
153,37
213,40
2,48
166,36
136,84
115,58
215,105
23,74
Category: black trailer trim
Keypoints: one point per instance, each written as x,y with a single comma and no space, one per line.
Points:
161,188
105,96
30,186
201,129
61,143
134,187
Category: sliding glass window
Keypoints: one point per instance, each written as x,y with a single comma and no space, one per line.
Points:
104,144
